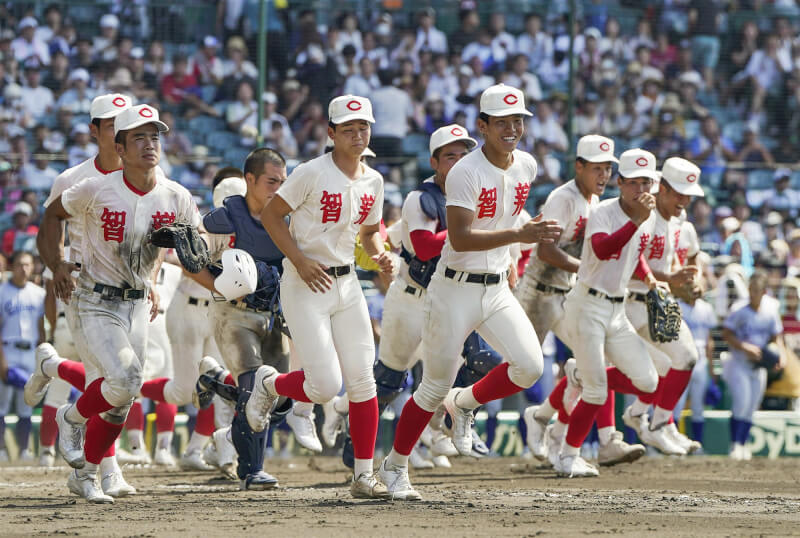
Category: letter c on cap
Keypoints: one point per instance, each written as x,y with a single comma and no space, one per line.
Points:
604,146
641,161
119,102
510,99
353,105
691,178
456,131
146,113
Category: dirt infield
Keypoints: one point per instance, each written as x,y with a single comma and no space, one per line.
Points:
702,496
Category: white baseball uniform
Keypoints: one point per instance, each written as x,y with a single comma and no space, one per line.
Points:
59,390
111,335
454,307
159,350
543,289
599,328
688,243
331,331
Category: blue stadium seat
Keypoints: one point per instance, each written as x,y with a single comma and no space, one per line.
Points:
219,142
201,126
415,143
235,156
760,179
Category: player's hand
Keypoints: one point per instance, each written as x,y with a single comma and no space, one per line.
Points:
684,276
752,351
63,282
537,230
385,262
313,273
154,299
642,205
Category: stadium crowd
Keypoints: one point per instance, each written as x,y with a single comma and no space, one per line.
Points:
711,80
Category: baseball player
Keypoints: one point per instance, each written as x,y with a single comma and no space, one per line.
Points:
617,231
551,275
330,199
486,190
103,110
22,329
114,297
674,360
748,329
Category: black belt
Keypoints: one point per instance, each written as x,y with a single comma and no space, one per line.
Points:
241,305
411,290
474,278
605,296
126,294
19,344
195,301
62,314
550,289
341,270
641,297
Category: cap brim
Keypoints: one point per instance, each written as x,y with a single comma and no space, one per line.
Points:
354,116
638,172
507,112
691,190
160,125
471,143
109,114
602,158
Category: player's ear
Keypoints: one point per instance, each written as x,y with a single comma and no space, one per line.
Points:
120,149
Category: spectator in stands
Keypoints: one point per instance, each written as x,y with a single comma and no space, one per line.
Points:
104,45
554,71
143,82
349,34
481,48
363,82
590,57
467,32
21,228
666,140
243,111
743,47
710,149
752,151
428,36
36,99
704,20
181,88
782,197
393,111
156,63
534,43
503,43
174,143
549,170
27,45
435,115
377,53
38,174
57,76
764,73
736,245
519,76
545,126
82,147
442,81
281,140
206,64
271,114
689,85
82,54
236,68
78,97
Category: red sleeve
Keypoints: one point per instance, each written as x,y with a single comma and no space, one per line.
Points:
8,242
642,268
523,261
605,245
427,244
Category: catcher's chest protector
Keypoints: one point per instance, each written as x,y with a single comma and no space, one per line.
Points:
234,217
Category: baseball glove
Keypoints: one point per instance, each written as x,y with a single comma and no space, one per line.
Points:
189,246
770,357
663,316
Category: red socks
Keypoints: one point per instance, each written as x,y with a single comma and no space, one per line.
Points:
580,422
412,422
229,380
557,396
204,425
73,373
165,417
135,420
495,385
154,389
674,383
364,428
605,415
48,431
622,383
92,402
291,385
100,437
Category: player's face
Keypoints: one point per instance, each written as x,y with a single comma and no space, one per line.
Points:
142,148
757,289
23,267
448,156
671,200
104,134
503,133
351,137
593,176
630,188
264,187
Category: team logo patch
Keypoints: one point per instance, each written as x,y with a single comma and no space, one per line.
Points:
691,178
119,102
510,99
353,105
604,146
641,161
456,131
146,113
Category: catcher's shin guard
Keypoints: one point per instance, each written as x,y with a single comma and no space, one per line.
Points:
249,444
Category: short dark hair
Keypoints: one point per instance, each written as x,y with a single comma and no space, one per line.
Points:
16,254
119,138
258,158
483,116
96,123
331,125
222,173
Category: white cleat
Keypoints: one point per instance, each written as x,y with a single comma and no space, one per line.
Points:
70,439
659,439
114,485
681,440
634,421
554,444
37,383
27,455
397,482
368,486
535,437
210,454
618,451
333,425
305,430
442,461
737,452
479,448
193,461
462,423
135,456
261,401
164,458
85,484
227,458
574,467
442,445
418,461
47,458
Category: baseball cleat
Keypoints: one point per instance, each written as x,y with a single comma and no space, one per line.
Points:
442,445
70,439
260,403
226,456
535,437
258,480
618,451
462,423
442,461
47,458
479,448
37,383
136,456
368,486
27,455
658,438
633,421
737,452
418,461
554,444
84,484
397,482
305,430
193,461
114,485
575,467
681,440
164,457
333,425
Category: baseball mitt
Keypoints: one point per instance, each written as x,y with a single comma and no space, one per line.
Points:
663,316
189,246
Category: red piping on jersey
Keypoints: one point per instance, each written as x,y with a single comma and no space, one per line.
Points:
642,268
427,244
605,245
104,172
132,188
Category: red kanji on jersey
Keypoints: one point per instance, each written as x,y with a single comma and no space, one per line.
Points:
657,247
643,240
580,227
520,196
677,237
331,206
487,203
366,205
113,225
162,219
682,254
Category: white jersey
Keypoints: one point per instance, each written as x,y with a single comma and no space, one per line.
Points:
660,251
118,218
700,318
167,284
328,208
496,196
688,244
570,208
612,275
65,180
20,311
